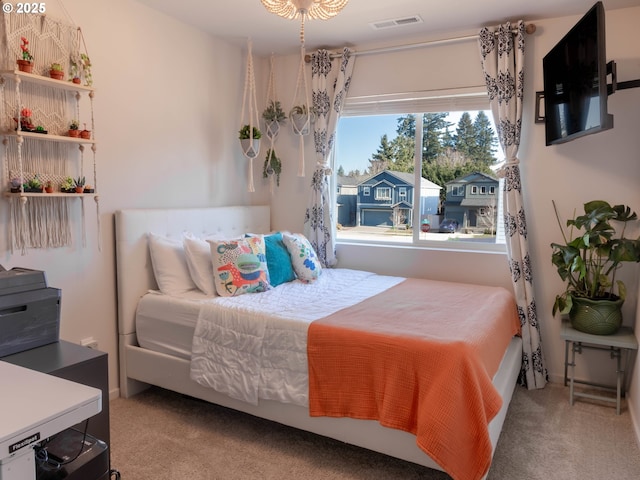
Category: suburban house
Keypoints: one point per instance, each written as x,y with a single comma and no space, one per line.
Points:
168,137
385,198
473,201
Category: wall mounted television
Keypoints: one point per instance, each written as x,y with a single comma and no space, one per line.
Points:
575,81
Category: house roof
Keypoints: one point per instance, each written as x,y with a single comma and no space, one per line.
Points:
405,177
474,177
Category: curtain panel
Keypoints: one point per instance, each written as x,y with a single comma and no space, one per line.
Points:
329,87
502,55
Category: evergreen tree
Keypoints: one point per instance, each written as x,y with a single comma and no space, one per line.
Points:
383,158
341,171
486,141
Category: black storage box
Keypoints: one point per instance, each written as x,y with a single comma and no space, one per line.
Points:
29,319
19,280
92,463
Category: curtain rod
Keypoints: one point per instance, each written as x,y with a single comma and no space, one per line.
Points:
530,28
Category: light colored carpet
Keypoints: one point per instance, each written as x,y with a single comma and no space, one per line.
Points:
159,434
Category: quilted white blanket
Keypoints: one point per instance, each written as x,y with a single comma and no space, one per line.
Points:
255,346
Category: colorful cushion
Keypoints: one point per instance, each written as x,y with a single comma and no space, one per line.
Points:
278,260
303,256
169,264
240,266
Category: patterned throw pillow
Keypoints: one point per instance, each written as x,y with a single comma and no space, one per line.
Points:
303,256
239,266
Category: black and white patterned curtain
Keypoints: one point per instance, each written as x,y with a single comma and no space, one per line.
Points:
329,92
503,65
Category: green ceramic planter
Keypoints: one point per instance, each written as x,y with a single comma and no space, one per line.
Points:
598,317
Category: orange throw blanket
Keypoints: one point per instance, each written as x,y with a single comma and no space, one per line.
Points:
419,357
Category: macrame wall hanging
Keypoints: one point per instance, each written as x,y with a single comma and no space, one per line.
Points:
250,132
44,220
301,114
273,117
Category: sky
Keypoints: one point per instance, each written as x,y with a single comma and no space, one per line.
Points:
359,138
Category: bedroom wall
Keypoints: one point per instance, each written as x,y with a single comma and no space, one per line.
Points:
166,111
603,166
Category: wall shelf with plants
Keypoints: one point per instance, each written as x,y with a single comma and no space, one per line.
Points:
44,146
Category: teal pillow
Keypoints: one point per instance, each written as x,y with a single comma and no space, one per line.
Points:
278,260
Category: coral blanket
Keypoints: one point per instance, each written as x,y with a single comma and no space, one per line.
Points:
418,357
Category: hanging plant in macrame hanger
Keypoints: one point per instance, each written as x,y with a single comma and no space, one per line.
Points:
273,117
250,134
301,114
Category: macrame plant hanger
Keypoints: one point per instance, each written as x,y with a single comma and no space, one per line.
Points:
272,116
250,145
300,114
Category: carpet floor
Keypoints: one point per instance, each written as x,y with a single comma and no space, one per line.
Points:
160,434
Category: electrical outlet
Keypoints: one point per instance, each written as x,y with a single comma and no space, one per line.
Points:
89,342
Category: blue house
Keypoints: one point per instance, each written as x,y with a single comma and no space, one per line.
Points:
472,200
386,199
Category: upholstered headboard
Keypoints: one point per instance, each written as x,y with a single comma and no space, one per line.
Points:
134,272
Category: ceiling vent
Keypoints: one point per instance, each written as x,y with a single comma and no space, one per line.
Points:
396,22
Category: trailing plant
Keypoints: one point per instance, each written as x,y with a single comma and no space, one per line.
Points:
272,166
245,131
590,256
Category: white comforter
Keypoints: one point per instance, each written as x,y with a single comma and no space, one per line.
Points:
255,345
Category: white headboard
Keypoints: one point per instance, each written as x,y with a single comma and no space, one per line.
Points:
134,272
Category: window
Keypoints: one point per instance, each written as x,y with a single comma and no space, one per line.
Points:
366,191
383,193
376,142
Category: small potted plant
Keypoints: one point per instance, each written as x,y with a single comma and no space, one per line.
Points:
301,117
16,185
250,140
26,125
48,187
56,72
25,64
86,134
588,261
74,72
67,185
78,184
88,188
34,185
273,117
272,166
73,129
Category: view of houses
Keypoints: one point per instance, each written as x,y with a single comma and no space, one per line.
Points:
386,199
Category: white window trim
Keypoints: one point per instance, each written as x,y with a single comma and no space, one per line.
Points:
382,197
459,99
366,191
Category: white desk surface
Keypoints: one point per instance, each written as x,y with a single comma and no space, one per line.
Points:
33,402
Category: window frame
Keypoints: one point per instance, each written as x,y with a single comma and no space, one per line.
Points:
377,196
417,103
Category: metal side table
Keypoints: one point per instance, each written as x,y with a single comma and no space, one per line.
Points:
623,341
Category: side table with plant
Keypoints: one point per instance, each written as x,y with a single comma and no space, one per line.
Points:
588,261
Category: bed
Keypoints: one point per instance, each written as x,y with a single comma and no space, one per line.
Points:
163,360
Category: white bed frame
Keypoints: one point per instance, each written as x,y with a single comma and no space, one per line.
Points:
140,368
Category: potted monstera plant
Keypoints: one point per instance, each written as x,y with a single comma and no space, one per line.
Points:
593,250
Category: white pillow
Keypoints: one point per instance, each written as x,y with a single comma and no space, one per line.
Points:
199,262
303,257
170,265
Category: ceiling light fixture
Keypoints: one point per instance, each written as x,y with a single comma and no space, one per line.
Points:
312,9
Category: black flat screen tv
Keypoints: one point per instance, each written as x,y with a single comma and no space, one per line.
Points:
575,81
